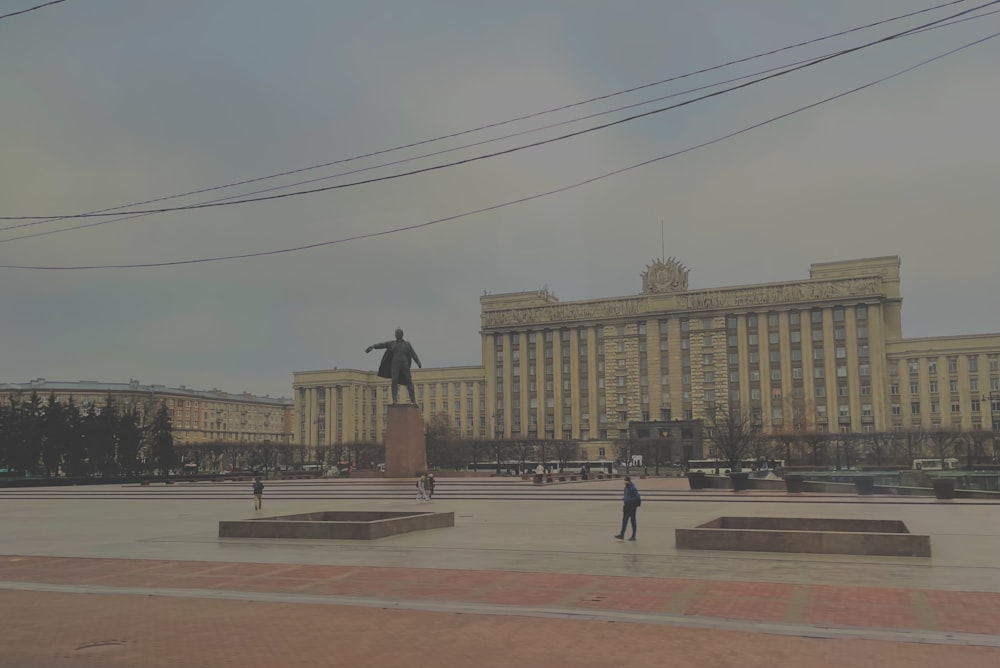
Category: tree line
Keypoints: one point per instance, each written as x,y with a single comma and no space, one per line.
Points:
61,438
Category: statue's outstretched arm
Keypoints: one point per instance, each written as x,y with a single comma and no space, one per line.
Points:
378,345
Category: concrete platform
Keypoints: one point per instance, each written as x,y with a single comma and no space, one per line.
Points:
331,525
530,575
799,534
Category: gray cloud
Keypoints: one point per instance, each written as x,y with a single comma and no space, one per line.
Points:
126,101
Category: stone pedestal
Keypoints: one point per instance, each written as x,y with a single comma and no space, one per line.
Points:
405,446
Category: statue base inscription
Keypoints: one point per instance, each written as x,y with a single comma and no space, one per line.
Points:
405,446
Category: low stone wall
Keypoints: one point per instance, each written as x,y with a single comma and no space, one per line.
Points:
811,535
345,525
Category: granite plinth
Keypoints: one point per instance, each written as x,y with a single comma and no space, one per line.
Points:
405,443
349,525
799,534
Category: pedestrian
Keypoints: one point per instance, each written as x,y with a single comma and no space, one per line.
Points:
258,493
630,501
421,488
430,485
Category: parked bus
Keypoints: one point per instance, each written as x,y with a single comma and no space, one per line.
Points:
721,466
949,464
509,467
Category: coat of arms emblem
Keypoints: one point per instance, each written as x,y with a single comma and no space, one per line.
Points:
669,276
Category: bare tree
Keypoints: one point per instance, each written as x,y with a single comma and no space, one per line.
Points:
911,443
881,444
734,434
944,441
566,451
817,443
975,445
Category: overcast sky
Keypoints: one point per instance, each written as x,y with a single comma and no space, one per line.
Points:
107,102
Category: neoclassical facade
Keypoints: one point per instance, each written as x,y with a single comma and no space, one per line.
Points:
821,354
197,416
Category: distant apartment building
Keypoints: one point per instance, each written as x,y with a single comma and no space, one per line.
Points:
823,354
198,416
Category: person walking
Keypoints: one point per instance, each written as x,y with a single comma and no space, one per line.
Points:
421,489
630,501
430,485
258,494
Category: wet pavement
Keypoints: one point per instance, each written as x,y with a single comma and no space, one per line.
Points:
520,557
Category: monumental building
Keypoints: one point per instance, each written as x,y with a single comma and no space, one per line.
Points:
824,354
197,416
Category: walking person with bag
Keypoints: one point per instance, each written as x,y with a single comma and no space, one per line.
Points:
630,502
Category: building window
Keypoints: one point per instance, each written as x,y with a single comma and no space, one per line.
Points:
793,318
817,353
844,411
934,387
708,359
914,408
953,385
709,377
816,317
914,388
709,395
935,407
866,410
973,363
752,321
795,336
773,338
820,391
975,405
952,365
797,373
706,341
817,335
752,339
838,314
753,358
775,374
861,312
897,409
819,372
974,384
754,375
864,370
755,394
994,362
840,352
796,355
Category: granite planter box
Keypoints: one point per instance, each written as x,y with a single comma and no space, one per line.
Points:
798,534
349,525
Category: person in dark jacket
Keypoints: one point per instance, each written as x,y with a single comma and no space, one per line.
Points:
258,494
630,501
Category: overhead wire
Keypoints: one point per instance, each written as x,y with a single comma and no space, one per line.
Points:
30,9
528,198
464,146
499,123
515,149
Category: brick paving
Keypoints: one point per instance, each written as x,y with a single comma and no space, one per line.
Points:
821,605
112,631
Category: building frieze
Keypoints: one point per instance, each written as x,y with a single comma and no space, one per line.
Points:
780,294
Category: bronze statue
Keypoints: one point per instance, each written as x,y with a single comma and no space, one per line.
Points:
395,365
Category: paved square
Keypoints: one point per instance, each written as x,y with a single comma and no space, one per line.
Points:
520,557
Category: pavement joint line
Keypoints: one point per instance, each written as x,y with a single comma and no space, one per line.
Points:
796,609
774,628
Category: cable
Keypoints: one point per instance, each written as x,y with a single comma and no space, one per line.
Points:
31,9
514,149
395,162
457,148
519,118
522,199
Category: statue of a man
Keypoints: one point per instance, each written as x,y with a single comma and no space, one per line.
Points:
396,365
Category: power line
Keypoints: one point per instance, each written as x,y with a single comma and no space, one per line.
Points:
500,123
457,148
31,9
516,148
529,197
